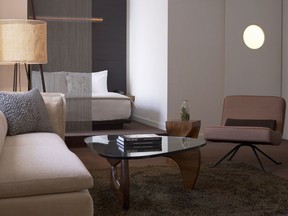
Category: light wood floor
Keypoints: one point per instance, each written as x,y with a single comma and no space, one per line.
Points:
210,153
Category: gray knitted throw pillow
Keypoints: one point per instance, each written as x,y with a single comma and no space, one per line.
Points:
25,112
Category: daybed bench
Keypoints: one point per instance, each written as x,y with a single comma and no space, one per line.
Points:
88,98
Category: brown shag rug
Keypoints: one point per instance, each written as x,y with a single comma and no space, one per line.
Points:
228,189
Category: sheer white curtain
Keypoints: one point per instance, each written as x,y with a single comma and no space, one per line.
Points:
69,57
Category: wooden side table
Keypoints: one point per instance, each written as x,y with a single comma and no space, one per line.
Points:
188,128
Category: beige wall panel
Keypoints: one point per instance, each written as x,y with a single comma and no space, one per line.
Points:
12,9
250,71
285,62
196,59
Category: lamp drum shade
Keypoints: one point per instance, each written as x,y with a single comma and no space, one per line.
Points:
23,41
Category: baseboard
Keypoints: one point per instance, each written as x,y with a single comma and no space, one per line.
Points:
149,122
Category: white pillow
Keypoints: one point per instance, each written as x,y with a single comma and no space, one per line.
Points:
79,84
85,84
54,81
99,82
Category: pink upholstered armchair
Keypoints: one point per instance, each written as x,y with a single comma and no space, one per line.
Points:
249,121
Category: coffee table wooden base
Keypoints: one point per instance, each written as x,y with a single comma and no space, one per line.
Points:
120,181
188,162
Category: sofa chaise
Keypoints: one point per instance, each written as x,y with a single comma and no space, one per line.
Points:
39,175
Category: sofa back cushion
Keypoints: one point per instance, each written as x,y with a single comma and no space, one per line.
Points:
3,130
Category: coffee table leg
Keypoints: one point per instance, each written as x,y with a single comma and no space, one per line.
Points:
120,181
189,164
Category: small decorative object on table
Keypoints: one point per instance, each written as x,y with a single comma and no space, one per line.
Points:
185,111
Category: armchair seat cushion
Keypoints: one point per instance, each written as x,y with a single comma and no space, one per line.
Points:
257,135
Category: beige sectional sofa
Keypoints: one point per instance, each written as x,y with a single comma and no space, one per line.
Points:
39,175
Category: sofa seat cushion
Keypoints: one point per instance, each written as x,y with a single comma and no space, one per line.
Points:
40,163
238,134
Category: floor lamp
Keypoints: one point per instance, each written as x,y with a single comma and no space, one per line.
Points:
23,42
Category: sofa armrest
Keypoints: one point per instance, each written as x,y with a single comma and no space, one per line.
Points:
56,106
3,130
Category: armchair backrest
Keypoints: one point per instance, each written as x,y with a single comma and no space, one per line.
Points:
255,107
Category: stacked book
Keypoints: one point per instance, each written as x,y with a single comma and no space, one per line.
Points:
139,142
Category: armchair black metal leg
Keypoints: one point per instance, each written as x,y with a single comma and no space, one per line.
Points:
276,162
230,152
253,148
236,149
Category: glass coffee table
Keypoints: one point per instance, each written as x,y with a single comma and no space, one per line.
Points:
183,150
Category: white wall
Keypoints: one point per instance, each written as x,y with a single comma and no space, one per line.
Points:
285,62
193,51
196,58
15,9
147,60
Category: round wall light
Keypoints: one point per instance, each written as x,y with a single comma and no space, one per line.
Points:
253,36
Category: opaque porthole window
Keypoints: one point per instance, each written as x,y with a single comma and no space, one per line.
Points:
254,36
